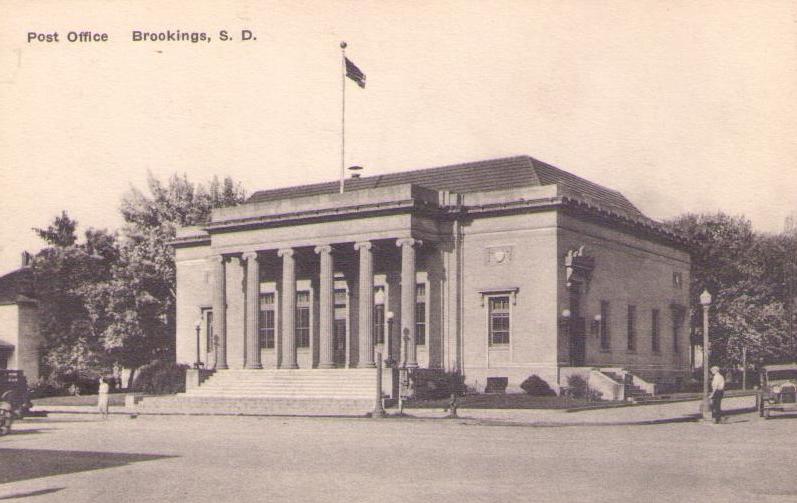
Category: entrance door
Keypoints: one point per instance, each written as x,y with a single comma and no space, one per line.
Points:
339,343
577,342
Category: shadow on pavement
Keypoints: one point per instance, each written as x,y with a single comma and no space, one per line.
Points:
23,464
31,493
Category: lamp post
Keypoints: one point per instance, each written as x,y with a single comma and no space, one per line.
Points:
564,326
197,327
705,301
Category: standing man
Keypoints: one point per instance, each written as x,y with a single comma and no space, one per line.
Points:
102,398
717,390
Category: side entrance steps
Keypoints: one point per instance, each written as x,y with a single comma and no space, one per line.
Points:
633,392
317,392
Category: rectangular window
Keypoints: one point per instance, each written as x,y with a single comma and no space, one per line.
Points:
209,331
267,322
302,319
678,315
379,315
420,314
654,331
499,320
604,324
631,328
379,324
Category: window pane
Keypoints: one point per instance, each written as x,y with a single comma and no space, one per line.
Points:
340,298
420,323
654,330
632,327
302,327
604,325
499,321
420,314
379,324
209,331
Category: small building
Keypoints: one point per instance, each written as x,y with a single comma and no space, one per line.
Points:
19,323
496,270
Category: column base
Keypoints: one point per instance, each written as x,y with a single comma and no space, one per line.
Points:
254,367
412,365
222,367
327,366
290,367
367,366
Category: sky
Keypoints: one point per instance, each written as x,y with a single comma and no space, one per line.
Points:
684,106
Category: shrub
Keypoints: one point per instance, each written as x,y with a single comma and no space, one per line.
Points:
160,378
432,383
42,388
578,386
536,386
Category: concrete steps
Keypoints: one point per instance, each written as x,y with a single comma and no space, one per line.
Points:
633,392
278,392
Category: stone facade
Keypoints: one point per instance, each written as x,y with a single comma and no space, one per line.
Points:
19,328
515,268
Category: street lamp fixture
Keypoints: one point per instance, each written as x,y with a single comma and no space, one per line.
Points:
705,301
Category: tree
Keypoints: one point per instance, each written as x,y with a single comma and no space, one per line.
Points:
745,272
61,232
72,344
109,301
136,306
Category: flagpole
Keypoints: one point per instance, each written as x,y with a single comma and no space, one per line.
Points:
342,114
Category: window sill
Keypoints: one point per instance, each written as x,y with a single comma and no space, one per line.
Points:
606,350
630,351
499,347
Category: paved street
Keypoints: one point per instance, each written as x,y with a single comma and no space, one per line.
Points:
68,457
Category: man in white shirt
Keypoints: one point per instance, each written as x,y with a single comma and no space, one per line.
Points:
717,390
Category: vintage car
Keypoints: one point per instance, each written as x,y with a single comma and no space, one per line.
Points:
14,392
778,389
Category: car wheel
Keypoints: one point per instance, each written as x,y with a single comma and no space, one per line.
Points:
5,422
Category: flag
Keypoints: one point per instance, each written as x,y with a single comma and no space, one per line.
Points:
354,73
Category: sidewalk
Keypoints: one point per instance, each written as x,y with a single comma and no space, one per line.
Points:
617,416
630,415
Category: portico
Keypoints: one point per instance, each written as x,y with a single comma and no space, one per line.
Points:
320,285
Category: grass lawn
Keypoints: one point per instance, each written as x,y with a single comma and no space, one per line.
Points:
506,401
113,399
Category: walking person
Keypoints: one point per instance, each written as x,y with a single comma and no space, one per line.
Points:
717,390
102,398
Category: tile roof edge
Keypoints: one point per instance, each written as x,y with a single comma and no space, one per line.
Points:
530,160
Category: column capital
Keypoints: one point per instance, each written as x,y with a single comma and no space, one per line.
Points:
249,255
285,252
363,245
408,242
218,259
323,249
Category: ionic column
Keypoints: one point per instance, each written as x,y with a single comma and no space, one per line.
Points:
408,298
326,317
365,324
252,310
220,312
288,300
